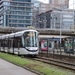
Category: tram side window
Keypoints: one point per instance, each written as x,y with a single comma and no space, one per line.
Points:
6,42
17,42
9,43
20,41
2,43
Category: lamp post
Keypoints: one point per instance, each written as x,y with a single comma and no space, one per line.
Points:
60,24
60,30
73,15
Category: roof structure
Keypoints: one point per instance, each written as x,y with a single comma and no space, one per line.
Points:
42,31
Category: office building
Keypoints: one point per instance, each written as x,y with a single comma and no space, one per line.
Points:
35,11
54,19
16,13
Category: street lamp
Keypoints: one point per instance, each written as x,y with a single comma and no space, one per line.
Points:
60,25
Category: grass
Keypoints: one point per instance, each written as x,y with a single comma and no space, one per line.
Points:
35,65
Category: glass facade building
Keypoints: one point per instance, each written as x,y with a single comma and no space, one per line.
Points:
16,13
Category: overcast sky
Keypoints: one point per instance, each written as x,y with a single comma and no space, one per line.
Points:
71,3
45,1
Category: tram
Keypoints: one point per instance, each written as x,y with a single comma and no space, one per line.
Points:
21,43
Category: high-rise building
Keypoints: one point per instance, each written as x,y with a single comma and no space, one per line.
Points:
16,13
35,11
59,3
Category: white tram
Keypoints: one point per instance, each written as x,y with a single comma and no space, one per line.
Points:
21,43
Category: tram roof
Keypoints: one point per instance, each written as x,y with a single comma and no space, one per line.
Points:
2,37
20,33
6,36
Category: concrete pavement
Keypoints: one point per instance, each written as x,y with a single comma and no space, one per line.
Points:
7,68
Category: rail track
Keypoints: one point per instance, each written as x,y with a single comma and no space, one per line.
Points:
62,64
66,58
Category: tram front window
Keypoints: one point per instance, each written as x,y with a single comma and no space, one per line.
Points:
30,39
